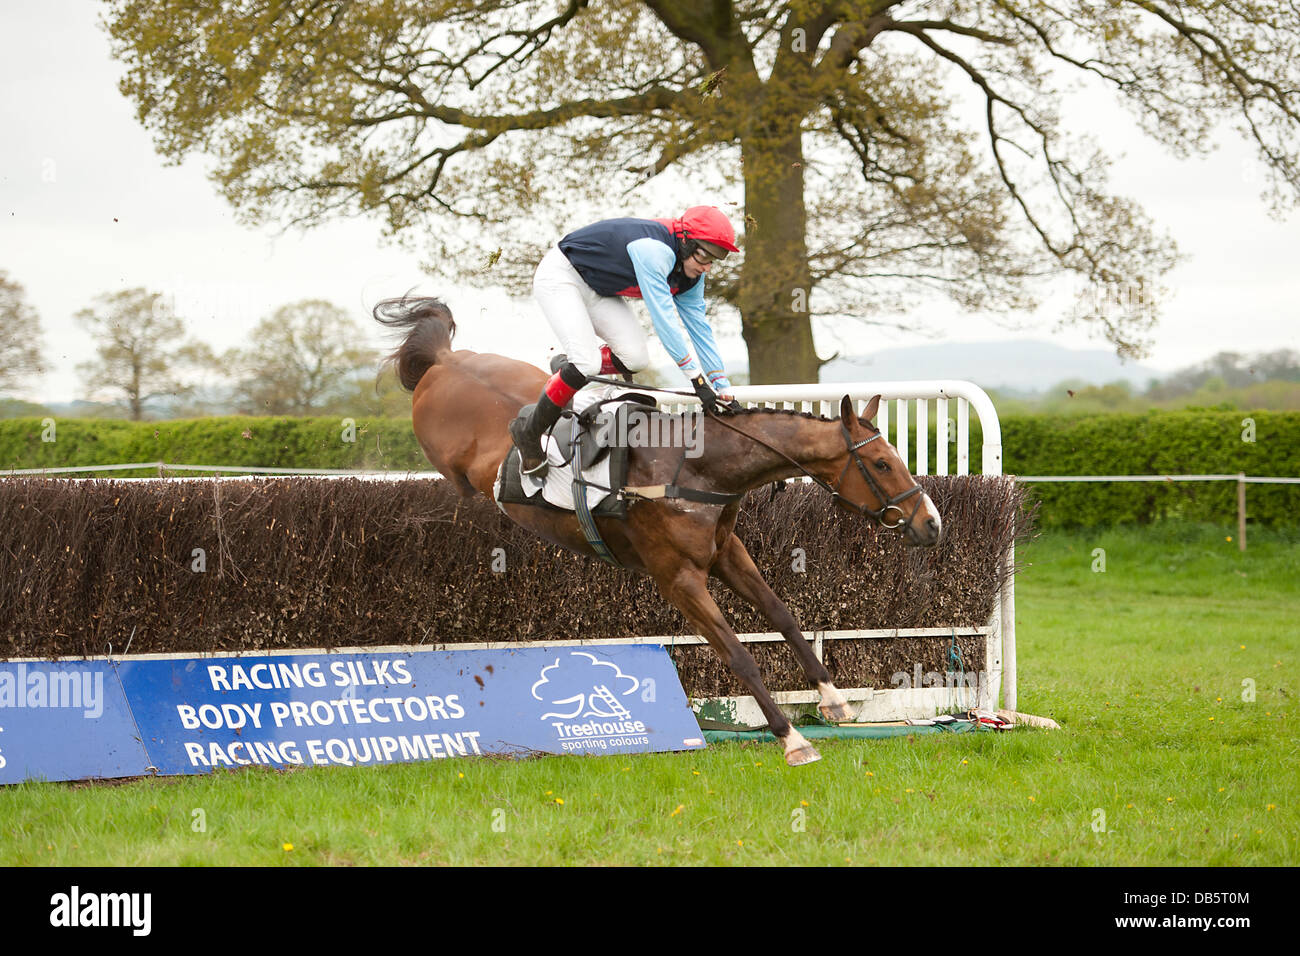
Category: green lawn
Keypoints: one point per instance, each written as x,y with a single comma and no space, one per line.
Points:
1172,672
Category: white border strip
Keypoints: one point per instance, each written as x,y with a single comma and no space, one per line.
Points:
666,641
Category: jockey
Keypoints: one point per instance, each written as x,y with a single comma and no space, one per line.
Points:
581,285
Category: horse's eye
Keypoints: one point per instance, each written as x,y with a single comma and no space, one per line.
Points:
882,465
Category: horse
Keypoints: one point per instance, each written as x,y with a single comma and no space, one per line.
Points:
463,401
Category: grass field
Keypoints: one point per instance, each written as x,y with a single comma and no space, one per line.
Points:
1172,672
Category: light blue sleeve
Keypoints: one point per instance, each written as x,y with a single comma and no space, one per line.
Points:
653,262
690,305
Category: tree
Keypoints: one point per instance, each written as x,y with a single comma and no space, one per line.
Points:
302,360
1228,370
883,146
20,336
142,349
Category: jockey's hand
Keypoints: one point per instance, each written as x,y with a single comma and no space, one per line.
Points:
708,397
728,405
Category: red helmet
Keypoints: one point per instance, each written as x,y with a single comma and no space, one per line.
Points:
708,225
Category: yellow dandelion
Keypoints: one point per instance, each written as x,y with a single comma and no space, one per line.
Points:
870,774
804,803
740,843
1031,799
965,762
695,772
560,801
1169,799
286,847
461,776
1128,806
1271,806
1221,789
680,808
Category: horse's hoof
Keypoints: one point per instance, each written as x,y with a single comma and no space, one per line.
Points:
837,713
805,754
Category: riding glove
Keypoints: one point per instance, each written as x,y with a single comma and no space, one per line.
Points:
708,397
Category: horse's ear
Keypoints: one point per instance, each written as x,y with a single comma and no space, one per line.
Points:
846,411
873,406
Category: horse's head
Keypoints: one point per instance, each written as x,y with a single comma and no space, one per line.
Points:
875,480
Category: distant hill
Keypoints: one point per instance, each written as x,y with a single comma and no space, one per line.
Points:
1022,367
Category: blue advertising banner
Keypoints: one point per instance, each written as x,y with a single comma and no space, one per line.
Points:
197,714
65,720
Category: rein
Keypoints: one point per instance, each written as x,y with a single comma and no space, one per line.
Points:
887,505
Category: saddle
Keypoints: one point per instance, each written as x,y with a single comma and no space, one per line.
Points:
584,440
588,436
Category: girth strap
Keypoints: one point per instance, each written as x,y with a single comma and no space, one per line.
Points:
651,492
587,522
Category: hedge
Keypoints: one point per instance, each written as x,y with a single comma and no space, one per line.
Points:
252,564
374,444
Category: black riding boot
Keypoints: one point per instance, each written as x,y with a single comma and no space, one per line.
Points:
527,433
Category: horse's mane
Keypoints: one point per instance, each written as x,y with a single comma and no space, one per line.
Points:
802,414
763,410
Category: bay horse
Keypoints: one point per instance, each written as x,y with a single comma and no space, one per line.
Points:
463,402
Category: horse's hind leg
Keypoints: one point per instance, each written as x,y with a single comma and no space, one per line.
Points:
688,591
736,569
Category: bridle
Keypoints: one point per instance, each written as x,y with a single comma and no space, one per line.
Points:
887,504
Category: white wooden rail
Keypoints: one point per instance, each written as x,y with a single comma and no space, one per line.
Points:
910,434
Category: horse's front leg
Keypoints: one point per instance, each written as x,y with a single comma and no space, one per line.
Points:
688,591
736,569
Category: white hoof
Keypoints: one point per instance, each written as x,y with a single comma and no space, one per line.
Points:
798,751
834,706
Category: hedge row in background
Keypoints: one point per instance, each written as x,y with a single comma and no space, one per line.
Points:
373,444
188,566
1160,442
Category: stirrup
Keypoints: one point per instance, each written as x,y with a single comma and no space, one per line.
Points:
523,423
538,470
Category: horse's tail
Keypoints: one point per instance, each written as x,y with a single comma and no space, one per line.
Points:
429,328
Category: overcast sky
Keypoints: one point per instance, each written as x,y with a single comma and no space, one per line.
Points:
89,208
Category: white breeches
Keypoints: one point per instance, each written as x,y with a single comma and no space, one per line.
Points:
581,317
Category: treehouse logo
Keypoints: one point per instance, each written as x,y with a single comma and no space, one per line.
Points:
586,701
